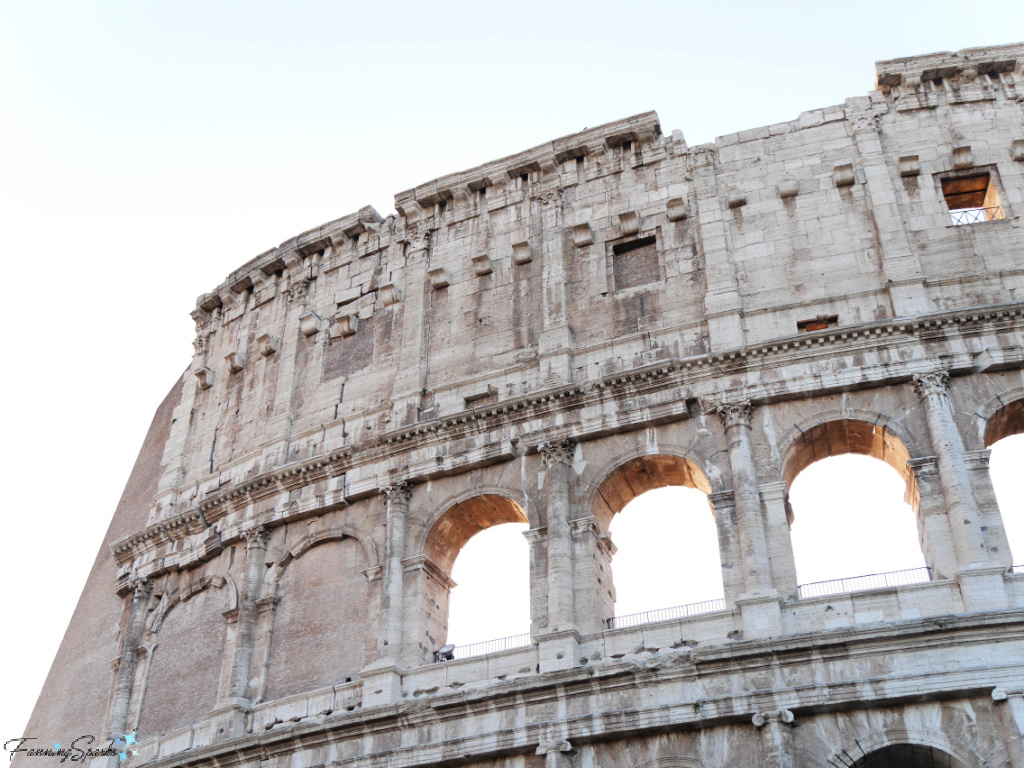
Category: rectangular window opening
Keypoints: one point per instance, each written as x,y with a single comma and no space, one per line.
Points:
820,323
972,199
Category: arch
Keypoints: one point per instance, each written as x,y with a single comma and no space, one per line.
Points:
334,533
834,433
675,761
186,642
635,472
873,750
1004,420
466,514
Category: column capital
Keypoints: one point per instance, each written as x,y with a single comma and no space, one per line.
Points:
140,585
720,498
255,536
397,493
761,719
561,452
735,414
933,383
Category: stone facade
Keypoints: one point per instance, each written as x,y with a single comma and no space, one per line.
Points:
540,340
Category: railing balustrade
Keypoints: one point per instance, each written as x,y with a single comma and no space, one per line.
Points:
976,215
860,583
1017,569
486,646
665,614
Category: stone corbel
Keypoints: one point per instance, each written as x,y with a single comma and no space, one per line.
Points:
843,175
522,253
482,264
582,235
675,208
292,261
736,199
438,278
629,222
963,158
788,188
1017,150
389,294
412,211
310,323
236,361
205,377
267,343
910,165
230,298
348,324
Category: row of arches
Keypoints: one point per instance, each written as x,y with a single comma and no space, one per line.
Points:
320,602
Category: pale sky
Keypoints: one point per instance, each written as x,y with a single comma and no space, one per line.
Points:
151,148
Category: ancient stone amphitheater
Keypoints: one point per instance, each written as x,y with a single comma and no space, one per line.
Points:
539,340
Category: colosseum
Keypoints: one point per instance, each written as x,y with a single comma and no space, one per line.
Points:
539,340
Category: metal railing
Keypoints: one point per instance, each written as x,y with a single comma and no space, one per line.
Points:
487,646
1017,569
976,215
860,583
665,614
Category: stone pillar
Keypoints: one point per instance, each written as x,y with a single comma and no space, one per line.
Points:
382,680
255,554
933,523
559,645
997,546
777,516
724,506
141,589
776,737
981,580
594,595
1014,700
762,616
537,539
397,502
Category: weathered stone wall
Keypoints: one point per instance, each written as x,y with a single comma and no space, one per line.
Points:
542,339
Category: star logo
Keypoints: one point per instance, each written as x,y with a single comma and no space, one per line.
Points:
56,747
129,738
122,756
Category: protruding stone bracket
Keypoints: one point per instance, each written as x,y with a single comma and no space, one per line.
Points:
205,377
389,294
236,361
629,222
267,343
1017,150
347,324
963,158
675,209
310,324
910,165
736,199
522,253
482,264
438,278
582,235
843,175
788,188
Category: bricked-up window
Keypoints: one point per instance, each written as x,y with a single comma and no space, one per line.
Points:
972,199
636,263
820,323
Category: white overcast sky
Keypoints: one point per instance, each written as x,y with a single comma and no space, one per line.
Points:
150,148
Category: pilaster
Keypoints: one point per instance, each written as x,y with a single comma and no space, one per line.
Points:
777,518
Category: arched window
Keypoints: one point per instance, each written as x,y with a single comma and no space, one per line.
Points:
1004,435
854,516
478,541
667,560
491,598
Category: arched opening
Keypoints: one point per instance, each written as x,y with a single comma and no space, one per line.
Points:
667,556
1004,435
477,541
909,756
855,502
